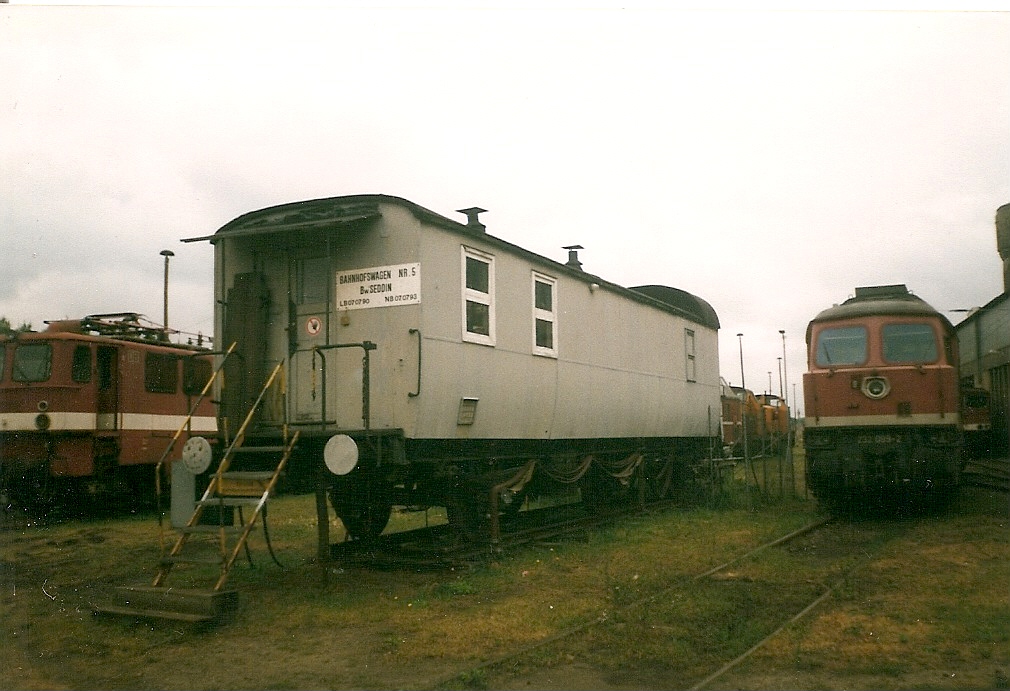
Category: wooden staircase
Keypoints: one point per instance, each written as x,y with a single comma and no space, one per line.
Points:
213,536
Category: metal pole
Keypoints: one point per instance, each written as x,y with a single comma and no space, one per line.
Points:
164,324
789,412
743,412
781,394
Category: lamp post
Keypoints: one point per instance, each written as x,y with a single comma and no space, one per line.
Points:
166,254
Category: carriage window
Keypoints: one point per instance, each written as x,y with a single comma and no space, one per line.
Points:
844,345
80,368
195,375
544,316
32,362
689,352
909,343
312,278
975,398
478,297
161,373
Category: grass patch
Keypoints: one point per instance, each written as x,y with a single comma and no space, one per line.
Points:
932,600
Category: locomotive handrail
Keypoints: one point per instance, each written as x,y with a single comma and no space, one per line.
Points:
186,423
414,394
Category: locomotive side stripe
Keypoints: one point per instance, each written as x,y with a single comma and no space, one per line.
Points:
84,422
878,420
165,423
20,422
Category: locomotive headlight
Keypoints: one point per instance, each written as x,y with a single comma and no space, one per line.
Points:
42,421
876,387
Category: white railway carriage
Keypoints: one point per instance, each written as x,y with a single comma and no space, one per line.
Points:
430,363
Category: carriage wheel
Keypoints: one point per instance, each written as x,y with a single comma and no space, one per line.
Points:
364,522
601,491
364,507
467,514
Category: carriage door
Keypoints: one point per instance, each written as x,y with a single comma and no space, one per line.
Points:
247,324
307,328
107,403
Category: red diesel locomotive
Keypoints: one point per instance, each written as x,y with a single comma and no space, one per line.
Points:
882,400
89,406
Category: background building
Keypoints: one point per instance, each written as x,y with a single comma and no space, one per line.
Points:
984,338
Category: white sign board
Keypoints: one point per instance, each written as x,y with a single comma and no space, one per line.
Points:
379,286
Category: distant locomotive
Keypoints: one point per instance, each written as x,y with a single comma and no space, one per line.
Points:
976,421
882,400
429,363
774,421
88,408
767,422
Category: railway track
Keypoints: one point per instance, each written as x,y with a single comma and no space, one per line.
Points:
441,546
848,543
988,472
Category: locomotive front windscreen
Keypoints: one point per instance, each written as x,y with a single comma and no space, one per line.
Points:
909,343
32,362
842,345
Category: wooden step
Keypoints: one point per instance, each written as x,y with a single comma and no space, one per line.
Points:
244,483
248,475
240,500
179,604
214,560
211,529
152,613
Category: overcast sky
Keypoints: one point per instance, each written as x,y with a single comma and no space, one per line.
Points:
766,161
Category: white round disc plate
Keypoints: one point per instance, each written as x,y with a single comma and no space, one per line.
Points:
196,455
340,454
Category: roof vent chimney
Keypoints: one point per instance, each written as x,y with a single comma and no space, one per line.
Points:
472,222
573,256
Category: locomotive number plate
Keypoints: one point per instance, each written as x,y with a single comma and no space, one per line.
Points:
878,439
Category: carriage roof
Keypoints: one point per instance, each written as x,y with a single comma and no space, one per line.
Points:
333,212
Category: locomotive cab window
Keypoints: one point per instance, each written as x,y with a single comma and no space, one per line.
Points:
909,343
195,375
32,362
161,373
544,316
80,368
478,297
842,345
